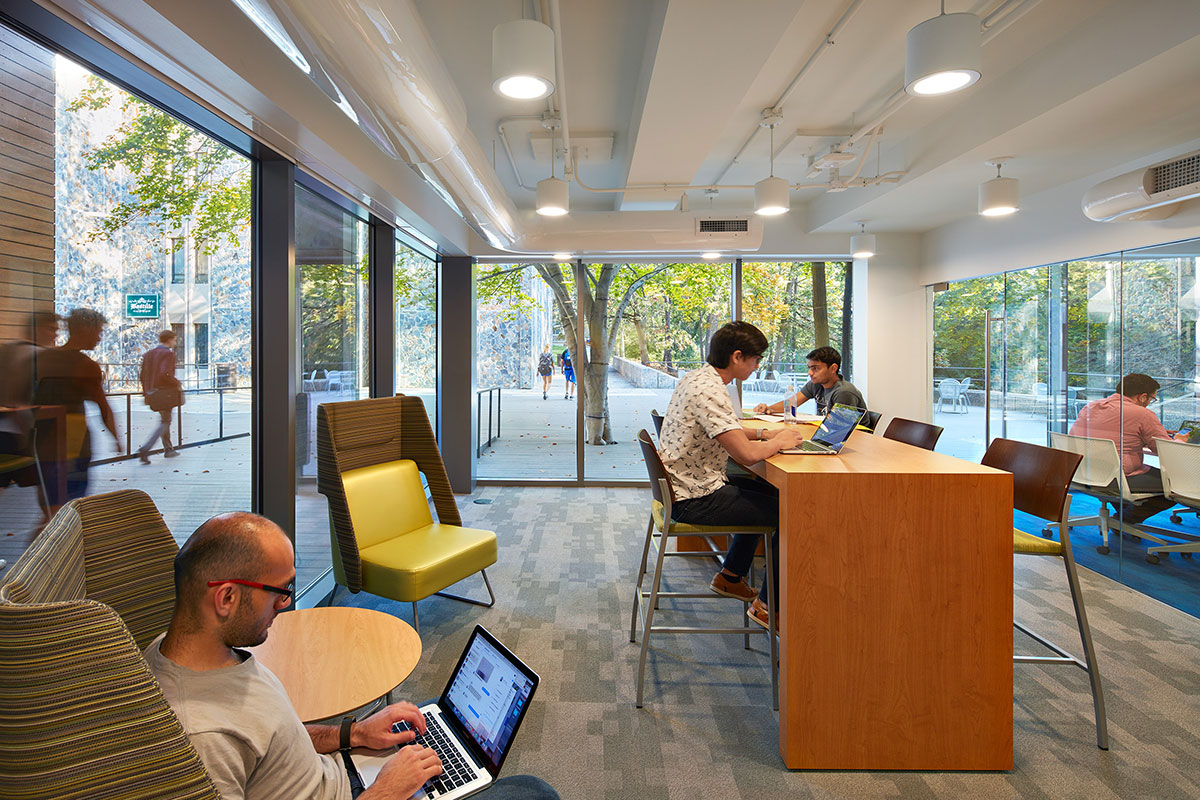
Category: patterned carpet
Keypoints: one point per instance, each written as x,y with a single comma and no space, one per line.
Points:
564,587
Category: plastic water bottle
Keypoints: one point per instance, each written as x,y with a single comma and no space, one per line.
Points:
789,405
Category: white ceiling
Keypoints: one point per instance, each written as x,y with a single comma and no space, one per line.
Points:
1070,89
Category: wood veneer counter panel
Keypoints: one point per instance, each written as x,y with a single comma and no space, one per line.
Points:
896,630
332,660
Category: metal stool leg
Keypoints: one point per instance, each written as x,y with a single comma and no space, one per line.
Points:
649,618
637,587
1089,650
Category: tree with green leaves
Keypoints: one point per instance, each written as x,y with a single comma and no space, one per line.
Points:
181,177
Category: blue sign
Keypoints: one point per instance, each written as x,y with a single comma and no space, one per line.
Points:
143,306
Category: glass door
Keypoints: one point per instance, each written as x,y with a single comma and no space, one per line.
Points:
964,344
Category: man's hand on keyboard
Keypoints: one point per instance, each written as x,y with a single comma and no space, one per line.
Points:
376,731
404,773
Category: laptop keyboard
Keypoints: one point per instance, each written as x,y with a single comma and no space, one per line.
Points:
812,447
455,769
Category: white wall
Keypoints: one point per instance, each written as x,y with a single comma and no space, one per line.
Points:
892,324
1049,228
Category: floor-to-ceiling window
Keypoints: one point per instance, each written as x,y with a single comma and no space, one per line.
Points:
415,297
1048,341
333,351
121,222
799,305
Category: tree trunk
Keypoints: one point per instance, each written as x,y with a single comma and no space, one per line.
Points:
820,307
643,344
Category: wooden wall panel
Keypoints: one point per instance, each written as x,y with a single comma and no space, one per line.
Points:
26,181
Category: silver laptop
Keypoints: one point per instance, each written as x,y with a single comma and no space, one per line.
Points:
835,429
473,724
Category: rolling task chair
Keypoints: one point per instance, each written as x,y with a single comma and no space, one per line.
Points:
646,601
369,456
1180,465
1100,476
1041,477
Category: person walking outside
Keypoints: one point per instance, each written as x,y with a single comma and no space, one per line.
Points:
568,372
162,391
68,378
545,368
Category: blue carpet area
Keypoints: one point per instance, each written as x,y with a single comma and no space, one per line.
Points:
1174,580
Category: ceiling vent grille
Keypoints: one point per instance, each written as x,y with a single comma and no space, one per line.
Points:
722,226
1177,173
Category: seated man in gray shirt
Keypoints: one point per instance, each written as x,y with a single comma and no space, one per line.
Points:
232,577
825,385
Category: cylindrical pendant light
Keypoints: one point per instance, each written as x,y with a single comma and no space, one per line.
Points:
771,197
862,244
999,197
942,55
523,59
552,197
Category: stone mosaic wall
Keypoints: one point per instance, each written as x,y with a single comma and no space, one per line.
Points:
98,274
507,349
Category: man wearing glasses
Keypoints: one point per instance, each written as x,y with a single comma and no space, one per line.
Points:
232,577
1125,418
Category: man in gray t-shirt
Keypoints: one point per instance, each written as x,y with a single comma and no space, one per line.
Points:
825,385
232,577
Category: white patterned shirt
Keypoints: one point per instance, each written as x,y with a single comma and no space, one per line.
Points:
700,411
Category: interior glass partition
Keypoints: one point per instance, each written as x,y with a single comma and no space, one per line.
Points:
1061,338
331,271
415,298
101,226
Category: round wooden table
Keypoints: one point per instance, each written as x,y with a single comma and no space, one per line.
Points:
334,660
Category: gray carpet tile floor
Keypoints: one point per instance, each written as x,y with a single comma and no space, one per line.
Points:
563,588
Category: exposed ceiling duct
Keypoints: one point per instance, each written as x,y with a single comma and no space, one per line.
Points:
1145,194
382,62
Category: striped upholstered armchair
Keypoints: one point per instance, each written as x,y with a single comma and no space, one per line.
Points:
80,714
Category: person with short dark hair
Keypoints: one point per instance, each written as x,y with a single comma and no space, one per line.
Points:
1125,418
232,577
68,378
825,385
162,391
701,431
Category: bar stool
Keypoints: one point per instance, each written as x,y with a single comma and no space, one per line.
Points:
645,602
1041,478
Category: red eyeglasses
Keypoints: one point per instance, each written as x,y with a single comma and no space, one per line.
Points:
286,592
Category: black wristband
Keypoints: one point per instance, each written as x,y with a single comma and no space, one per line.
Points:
344,733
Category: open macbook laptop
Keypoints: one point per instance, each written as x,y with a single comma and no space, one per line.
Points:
836,428
473,724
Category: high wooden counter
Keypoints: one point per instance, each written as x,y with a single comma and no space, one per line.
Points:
896,586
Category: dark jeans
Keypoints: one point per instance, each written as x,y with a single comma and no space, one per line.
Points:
1145,483
742,501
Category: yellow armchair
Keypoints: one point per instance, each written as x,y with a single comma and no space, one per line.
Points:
370,456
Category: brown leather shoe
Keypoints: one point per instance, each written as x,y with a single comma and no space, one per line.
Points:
738,589
757,612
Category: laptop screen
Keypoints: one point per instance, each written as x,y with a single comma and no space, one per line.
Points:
488,696
838,425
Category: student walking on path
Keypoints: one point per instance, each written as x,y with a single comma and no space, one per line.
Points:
162,391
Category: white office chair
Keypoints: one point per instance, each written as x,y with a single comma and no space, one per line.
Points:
1099,471
1180,465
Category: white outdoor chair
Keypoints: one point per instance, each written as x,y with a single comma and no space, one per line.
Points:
950,389
1180,465
1098,474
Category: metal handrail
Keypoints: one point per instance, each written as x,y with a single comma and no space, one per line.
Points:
479,448
220,437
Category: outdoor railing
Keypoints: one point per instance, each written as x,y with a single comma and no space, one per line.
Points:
490,391
178,429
